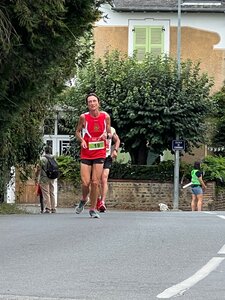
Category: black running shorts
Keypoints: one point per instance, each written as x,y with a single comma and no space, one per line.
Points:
91,162
108,162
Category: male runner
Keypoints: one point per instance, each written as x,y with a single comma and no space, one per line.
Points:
91,131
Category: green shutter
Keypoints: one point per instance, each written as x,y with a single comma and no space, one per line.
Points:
140,41
149,39
156,40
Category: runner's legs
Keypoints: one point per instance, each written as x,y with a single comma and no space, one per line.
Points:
97,169
85,172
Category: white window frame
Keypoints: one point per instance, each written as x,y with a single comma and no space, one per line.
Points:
165,23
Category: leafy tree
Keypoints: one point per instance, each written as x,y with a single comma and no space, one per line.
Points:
218,122
214,167
149,105
41,45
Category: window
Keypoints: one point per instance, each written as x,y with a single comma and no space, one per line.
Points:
49,144
63,127
148,39
64,147
148,35
49,126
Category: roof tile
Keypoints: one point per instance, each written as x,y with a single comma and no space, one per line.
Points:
170,5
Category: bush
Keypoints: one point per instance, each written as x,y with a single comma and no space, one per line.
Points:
9,209
164,171
69,169
214,168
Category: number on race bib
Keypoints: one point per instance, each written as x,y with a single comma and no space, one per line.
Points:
96,145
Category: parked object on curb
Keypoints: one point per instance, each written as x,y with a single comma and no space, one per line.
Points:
163,207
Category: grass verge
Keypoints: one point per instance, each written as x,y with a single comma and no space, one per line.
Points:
9,209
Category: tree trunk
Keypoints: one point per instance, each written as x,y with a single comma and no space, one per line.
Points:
139,155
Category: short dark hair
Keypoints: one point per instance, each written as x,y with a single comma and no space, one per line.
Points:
48,150
91,94
197,165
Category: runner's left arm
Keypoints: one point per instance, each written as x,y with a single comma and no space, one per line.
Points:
108,124
107,134
116,146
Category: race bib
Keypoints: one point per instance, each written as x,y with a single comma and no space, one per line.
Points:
98,145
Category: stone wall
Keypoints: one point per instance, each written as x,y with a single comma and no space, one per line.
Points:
141,195
68,195
220,200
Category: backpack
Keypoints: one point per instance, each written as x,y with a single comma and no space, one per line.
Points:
52,170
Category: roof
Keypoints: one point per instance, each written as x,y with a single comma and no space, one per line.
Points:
216,6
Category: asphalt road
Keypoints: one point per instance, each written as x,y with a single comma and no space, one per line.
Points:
122,256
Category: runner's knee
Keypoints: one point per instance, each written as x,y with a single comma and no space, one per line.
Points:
104,180
85,184
94,184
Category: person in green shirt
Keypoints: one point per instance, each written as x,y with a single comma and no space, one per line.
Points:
197,187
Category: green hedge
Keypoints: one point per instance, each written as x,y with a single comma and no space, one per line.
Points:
69,169
213,167
161,172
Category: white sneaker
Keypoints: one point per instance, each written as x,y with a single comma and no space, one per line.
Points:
80,207
93,214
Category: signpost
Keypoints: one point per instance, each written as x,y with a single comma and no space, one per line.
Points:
177,151
178,145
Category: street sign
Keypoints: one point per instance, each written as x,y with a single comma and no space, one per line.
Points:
178,145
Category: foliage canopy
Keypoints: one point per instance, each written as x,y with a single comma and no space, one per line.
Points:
149,105
41,45
218,136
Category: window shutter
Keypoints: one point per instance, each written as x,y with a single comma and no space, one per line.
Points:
156,40
140,41
149,39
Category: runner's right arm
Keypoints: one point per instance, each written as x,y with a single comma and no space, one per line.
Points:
78,132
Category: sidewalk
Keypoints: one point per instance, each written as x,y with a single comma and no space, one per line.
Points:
35,209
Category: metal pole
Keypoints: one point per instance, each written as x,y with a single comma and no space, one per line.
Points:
177,153
176,179
178,39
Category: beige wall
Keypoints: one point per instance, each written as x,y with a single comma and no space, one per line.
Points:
109,39
197,45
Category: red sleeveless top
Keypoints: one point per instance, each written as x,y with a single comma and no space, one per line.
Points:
94,128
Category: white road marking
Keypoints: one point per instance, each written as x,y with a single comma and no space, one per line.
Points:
222,250
214,213
181,287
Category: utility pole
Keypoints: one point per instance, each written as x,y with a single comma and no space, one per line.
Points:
177,152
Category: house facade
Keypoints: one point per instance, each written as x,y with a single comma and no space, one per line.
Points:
151,26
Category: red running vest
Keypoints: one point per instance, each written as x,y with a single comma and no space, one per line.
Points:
94,128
